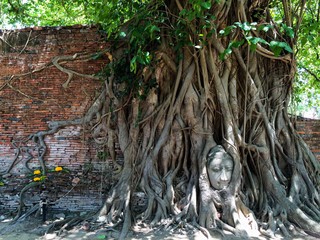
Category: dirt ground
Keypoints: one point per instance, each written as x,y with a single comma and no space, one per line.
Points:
34,229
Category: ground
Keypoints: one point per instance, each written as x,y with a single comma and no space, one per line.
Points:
34,229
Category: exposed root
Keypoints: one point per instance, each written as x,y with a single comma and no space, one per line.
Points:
19,215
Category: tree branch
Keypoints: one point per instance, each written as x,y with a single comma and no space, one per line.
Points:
299,20
287,12
311,73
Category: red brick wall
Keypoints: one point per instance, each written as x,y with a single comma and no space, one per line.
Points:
39,97
29,102
309,129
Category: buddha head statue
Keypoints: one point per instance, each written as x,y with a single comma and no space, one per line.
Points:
219,167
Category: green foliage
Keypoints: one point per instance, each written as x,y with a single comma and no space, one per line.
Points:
144,32
194,20
125,78
265,27
306,87
195,10
277,47
287,30
307,84
34,13
111,14
253,41
227,30
228,50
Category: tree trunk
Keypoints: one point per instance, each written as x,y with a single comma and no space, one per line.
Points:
200,101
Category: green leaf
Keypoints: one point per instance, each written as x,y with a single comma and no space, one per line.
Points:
206,5
183,12
236,44
246,27
265,28
288,30
102,237
227,30
154,28
277,47
191,16
256,40
282,45
225,53
228,50
253,41
276,50
238,24
133,64
122,34
287,47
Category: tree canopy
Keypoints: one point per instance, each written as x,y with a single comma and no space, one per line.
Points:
308,58
111,15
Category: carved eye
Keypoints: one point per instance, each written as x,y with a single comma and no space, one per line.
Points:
216,169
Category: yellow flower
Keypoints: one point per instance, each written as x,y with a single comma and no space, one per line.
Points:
36,179
58,169
36,172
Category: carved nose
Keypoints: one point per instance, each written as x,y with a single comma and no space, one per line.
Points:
224,175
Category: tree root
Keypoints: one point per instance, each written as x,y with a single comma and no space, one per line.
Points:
19,215
64,224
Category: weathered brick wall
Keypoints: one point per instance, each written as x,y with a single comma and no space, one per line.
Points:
29,101
309,129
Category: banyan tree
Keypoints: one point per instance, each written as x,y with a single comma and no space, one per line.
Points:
197,94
